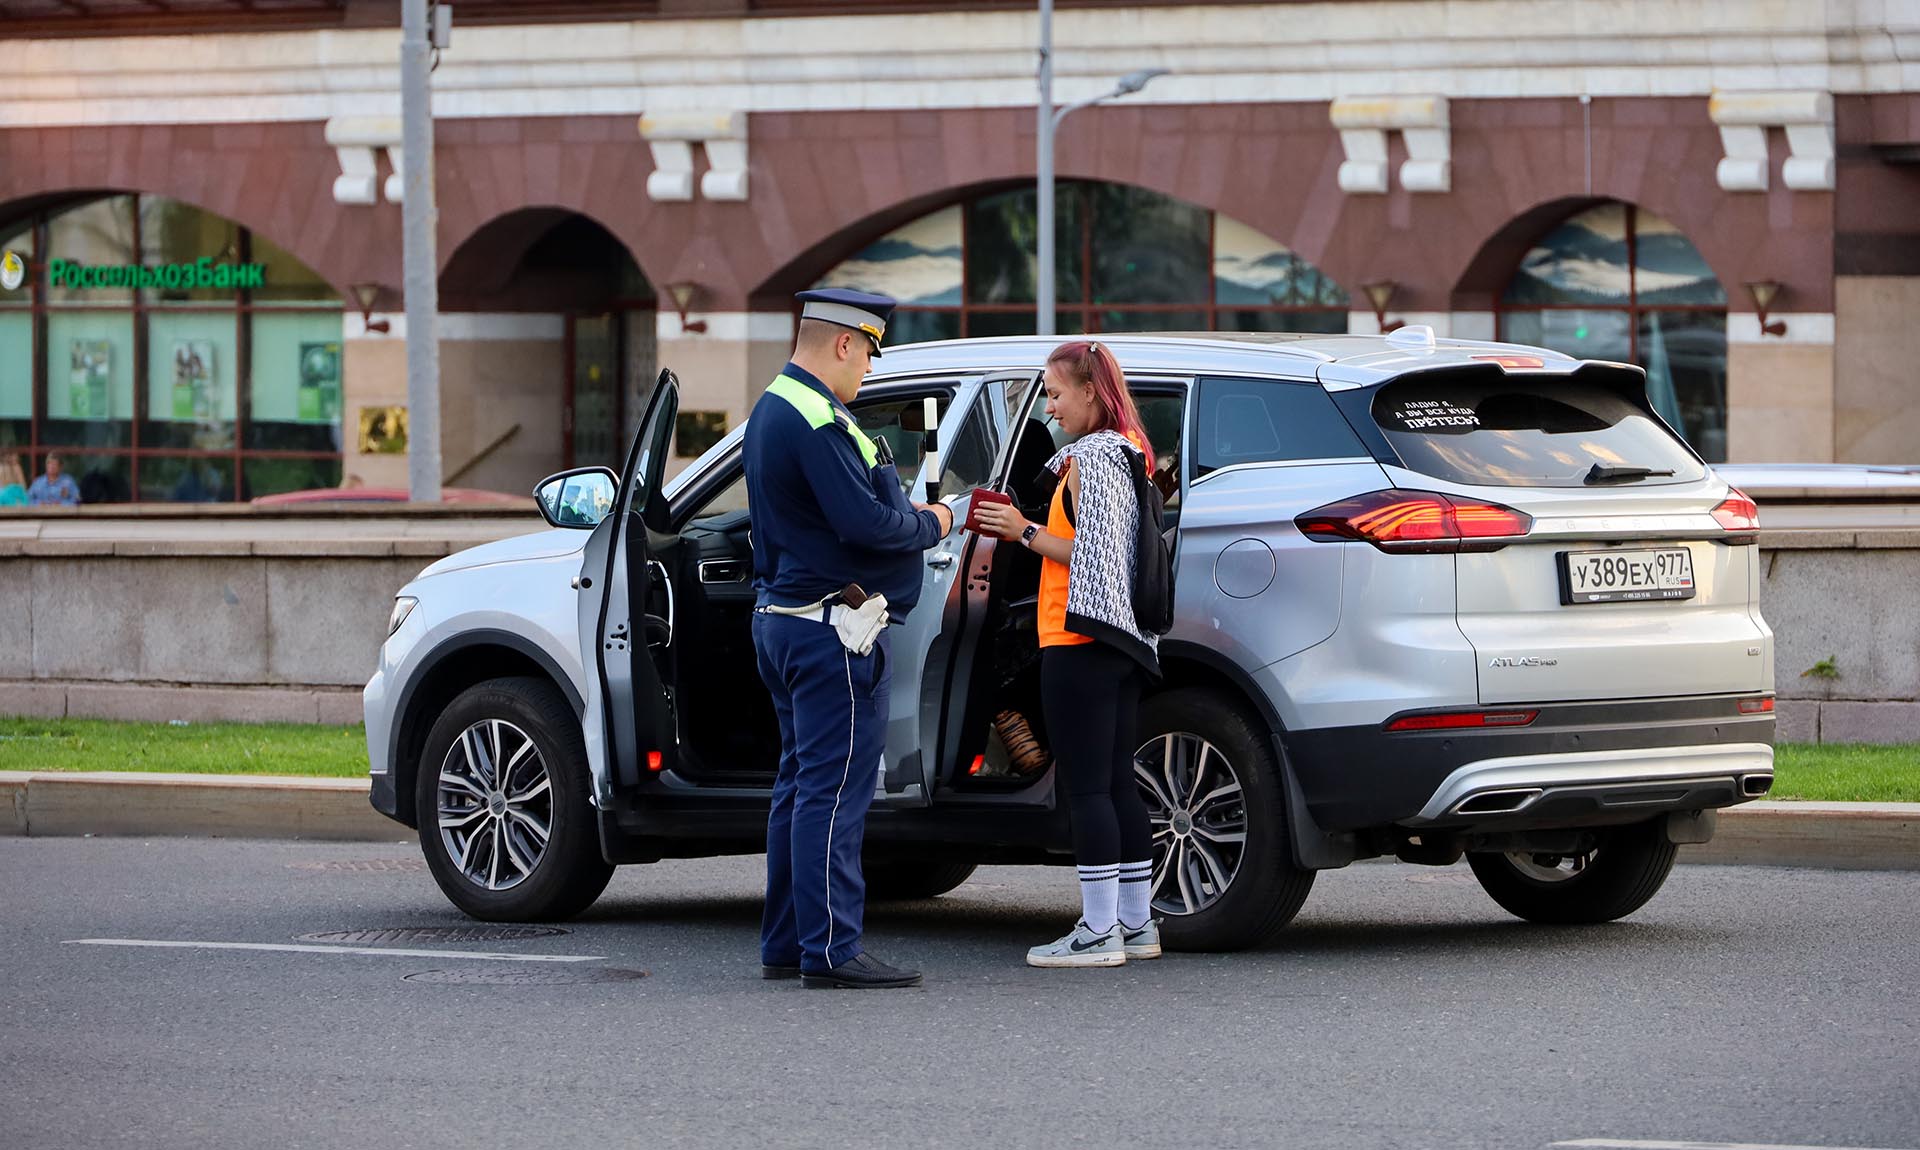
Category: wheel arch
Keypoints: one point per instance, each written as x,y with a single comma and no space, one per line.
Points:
450,668
1184,665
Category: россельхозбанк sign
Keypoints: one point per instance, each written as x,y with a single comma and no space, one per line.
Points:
202,273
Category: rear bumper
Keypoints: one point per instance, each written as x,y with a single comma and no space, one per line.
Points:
1548,790
1589,762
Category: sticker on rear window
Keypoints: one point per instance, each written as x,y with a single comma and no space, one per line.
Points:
1434,416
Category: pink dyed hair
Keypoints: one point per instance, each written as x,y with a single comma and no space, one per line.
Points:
1090,361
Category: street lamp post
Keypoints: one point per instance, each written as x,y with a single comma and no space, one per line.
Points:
1046,125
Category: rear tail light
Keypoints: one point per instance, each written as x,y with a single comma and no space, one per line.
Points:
1396,520
1737,513
1756,706
655,760
1462,720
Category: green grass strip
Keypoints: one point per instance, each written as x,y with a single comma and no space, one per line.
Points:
1838,772
197,748
1847,772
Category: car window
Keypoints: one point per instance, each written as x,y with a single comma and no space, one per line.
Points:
969,461
1162,412
1526,431
732,497
1268,421
901,422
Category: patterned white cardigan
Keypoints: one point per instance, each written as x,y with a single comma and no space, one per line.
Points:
1106,527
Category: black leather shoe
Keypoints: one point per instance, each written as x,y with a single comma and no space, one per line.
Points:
778,972
861,972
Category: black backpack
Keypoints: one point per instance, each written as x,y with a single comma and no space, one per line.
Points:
1153,562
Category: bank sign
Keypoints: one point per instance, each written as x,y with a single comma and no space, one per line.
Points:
202,273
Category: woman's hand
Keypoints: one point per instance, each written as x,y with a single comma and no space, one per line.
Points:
1000,520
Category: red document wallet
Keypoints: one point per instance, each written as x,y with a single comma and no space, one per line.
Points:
981,497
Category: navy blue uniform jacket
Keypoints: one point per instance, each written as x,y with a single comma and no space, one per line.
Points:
821,517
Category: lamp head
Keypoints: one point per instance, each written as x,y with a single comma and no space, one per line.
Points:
1763,293
1380,293
1134,81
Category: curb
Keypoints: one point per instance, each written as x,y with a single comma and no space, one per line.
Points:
67,803
1837,836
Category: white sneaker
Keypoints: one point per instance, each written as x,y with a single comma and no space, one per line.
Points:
1081,947
1142,943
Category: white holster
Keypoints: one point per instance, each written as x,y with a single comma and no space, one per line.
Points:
858,627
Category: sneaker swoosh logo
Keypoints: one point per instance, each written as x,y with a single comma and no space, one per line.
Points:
1078,949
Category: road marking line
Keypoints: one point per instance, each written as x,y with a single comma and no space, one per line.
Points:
1627,1144
295,948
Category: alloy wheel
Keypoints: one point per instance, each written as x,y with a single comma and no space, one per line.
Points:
1198,812
495,800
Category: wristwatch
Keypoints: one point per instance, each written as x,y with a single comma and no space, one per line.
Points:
1027,534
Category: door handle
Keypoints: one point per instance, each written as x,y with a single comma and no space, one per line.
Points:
940,562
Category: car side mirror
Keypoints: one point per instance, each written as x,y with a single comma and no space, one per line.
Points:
580,498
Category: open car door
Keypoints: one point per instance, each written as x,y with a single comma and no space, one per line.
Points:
626,619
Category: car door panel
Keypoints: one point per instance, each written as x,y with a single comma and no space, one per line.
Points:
629,710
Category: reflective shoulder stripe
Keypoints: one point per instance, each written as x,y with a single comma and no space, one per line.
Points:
867,451
805,400
819,412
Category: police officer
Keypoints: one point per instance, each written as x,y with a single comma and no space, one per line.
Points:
830,524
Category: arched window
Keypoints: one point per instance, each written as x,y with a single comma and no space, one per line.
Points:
1126,259
166,354
1619,283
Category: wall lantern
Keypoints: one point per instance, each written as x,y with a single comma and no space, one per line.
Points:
1380,293
366,293
1763,293
682,294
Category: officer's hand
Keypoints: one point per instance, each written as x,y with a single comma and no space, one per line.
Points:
942,512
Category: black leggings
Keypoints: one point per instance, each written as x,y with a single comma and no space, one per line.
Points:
1091,692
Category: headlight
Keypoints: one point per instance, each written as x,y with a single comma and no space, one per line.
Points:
403,606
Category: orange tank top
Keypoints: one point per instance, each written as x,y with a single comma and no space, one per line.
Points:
1053,579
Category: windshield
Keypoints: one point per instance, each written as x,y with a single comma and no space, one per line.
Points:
1528,431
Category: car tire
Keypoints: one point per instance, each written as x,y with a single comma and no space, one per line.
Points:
504,878
1264,889
911,878
1626,868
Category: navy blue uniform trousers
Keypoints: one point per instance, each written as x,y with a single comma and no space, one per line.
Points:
832,706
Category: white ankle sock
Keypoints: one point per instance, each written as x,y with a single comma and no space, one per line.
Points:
1136,885
1099,896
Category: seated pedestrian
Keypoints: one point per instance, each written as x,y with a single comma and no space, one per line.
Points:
53,489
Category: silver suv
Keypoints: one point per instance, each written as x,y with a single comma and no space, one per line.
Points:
1433,598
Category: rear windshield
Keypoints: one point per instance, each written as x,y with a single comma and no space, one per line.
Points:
1528,431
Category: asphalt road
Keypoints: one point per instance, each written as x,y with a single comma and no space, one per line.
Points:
1403,1009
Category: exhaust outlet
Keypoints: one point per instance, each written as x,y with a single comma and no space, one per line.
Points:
1498,802
1753,786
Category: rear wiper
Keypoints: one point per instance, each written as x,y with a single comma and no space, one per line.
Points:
1601,473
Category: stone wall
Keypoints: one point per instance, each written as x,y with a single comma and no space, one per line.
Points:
287,628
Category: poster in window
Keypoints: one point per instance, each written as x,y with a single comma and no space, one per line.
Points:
319,382
193,380
91,363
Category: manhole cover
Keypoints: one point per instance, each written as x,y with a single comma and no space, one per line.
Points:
564,977
366,865
433,934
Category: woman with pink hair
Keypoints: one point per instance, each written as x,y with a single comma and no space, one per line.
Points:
1094,658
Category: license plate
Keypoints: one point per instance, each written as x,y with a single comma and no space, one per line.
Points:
1625,576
